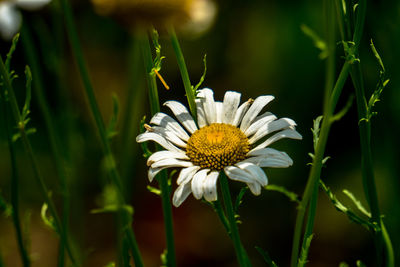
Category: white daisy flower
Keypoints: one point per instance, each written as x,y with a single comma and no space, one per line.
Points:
10,17
227,137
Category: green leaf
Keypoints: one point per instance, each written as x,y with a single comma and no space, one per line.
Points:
28,131
113,208
304,251
343,264
291,195
350,214
318,42
239,199
110,264
48,220
266,257
25,110
164,258
360,264
202,76
356,202
11,52
111,129
154,190
350,50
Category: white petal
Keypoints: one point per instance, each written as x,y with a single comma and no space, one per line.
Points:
259,121
187,174
218,111
241,111
207,97
230,106
198,182
210,186
270,127
255,188
201,116
163,120
10,20
168,135
182,114
181,193
32,4
270,153
270,162
165,154
238,174
289,133
253,111
151,173
149,136
255,171
171,162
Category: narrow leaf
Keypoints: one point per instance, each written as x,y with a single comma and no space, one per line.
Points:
291,195
266,257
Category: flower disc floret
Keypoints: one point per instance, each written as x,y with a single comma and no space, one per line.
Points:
217,145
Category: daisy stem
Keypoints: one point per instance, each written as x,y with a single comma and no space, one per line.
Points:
33,60
315,171
234,231
190,94
163,176
37,174
108,156
14,185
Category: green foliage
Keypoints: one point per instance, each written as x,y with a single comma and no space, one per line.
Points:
238,202
350,50
9,57
291,195
318,42
350,214
110,264
154,190
266,257
202,76
344,110
111,129
158,59
109,202
5,208
164,258
47,219
315,131
304,251
343,264
382,83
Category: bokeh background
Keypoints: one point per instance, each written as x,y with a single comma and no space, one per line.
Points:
254,47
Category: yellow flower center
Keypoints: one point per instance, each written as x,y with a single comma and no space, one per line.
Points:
217,145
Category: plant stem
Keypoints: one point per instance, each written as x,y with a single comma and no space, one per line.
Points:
20,124
108,156
54,142
162,177
239,248
221,215
184,73
315,171
14,185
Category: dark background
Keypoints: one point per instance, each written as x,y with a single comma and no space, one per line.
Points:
254,47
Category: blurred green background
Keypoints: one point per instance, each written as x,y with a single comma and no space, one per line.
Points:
254,47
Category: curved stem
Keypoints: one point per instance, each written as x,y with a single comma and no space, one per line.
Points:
315,171
239,248
108,156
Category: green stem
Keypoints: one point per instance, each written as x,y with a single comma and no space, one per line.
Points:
389,248
108,156
239,248
184,73
14,187
33,60
29,150
162,177
315,171
218,209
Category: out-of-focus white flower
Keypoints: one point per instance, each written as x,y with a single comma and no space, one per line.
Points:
192,16
10,17
227,137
